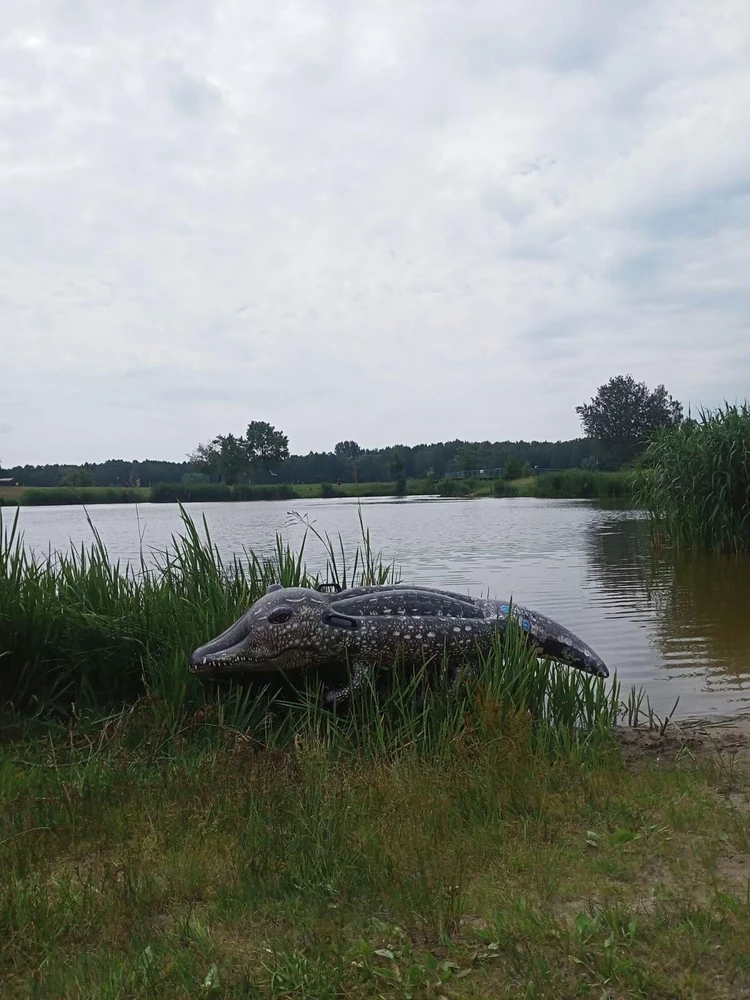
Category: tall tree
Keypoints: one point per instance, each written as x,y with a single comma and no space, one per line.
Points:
232,464
224,457
233,459
466,458
350,451
513,467
77,477
265,447
396,469
623,414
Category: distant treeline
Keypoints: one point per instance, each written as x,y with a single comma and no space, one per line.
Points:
115,472
375,465
372,465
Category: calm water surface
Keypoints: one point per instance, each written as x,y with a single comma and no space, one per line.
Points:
678,625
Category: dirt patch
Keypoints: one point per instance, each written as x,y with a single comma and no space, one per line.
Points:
724,741
734,870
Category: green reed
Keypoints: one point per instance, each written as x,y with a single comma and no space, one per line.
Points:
80,632
206,492
582,483
53,496
697,488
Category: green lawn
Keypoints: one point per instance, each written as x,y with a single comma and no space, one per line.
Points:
139,863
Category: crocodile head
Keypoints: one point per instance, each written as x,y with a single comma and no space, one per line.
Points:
288,628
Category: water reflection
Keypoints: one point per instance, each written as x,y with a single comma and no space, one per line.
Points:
695,605
707,603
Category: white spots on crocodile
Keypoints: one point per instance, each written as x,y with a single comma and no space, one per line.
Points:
456,628
430,635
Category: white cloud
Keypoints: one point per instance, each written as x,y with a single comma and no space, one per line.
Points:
388,221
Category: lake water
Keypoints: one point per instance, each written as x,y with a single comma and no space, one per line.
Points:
675,624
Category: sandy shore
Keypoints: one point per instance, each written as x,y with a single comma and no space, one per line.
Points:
727,740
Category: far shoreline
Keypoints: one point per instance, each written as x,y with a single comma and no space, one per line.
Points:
566,484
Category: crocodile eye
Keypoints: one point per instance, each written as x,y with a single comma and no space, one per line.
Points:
279,616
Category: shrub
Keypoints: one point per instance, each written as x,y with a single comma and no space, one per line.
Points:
452,487
513,467
502,488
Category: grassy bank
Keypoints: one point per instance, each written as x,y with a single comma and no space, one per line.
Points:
162,837
80,629
137,861
697,492
62,495
582,483
567,484
195,493
192,492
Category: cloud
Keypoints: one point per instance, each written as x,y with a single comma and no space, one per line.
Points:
387,222
193,96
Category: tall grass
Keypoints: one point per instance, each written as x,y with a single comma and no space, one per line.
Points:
62,495
191,492
80,632
582,483
454,487
697,488
502,488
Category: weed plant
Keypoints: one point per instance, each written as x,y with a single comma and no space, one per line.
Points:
697,490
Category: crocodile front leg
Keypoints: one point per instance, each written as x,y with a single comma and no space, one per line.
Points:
360,673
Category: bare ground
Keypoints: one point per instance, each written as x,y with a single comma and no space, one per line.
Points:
721,741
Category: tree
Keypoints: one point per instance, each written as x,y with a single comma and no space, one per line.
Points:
224,457
233,458
396,470
77,477
512,468
231,462
265,447
623,414
348,450
466,459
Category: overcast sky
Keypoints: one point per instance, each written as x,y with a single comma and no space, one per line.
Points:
405,221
